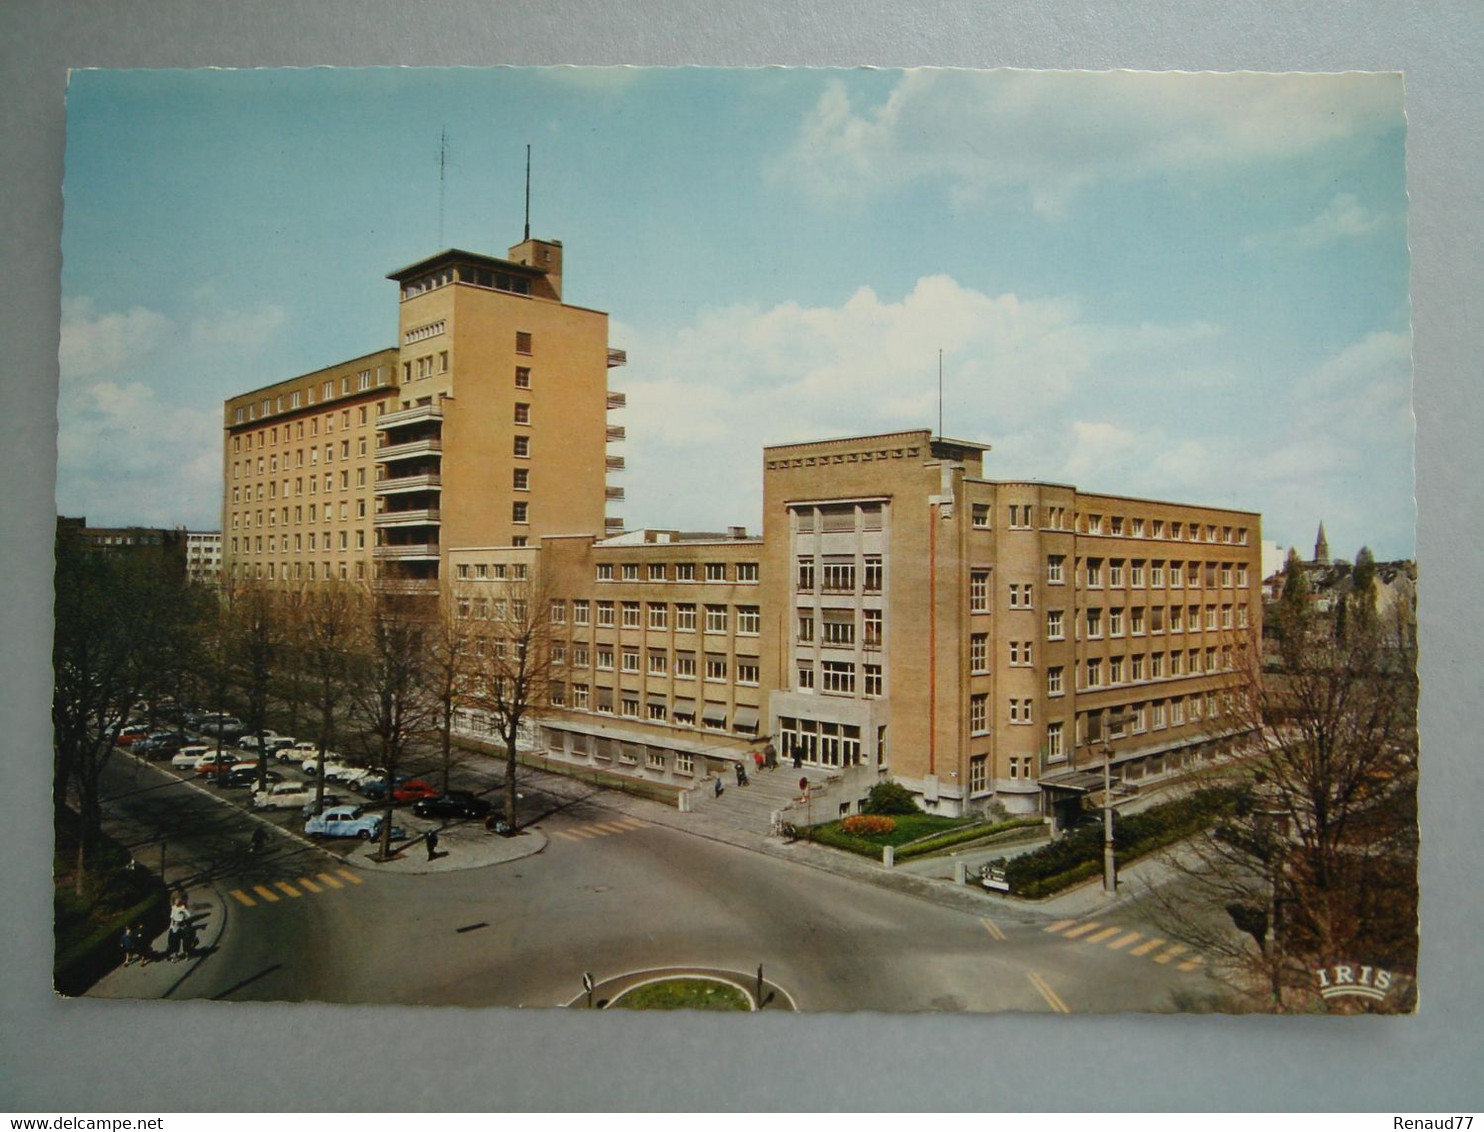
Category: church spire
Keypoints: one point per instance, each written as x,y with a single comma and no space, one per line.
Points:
1321,548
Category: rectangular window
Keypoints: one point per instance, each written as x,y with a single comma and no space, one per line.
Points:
685,665
630,571
659,615
979,591
716,619
1054,567
605,614
837,677
872,679
522,481
630,660
631,615
1095,572
580,612
685,618
980,513
979,653
1055,628
804,576
1094,623
1054,747
522,341
522,377
1136,621
747,672
716,667
1115,670
604,659
805,676
659,662
1115,622
1020,711
716,571
806,626
979,714
749,620
1054,681
1020,653
839,577
978,773
1020,596
520,512
1157,574
839,628
873,574
1094,673
522,446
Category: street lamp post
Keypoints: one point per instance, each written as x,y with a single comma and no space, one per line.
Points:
1110,863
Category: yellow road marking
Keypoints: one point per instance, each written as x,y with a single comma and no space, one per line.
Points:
609,827
1191,964
1102,935
566,836
1043,988
1056,927
247,900
266,893
1146,948
1173,950
635,823
992,928
287,889
1123,941
1083,929
309,884
331,881
350,876
585,834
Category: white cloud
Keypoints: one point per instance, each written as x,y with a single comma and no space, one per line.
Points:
1343,218
92,343
1053,135
238,329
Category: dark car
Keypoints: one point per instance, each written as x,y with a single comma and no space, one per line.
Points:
161,744
454,804
373,786
239,777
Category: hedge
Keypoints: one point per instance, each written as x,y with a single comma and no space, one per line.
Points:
963,836
1079,855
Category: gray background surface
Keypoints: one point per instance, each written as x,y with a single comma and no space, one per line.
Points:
59,1056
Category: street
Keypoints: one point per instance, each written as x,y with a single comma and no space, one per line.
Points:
612,894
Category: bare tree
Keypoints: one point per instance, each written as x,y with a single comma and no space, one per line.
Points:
391,688
120,623
256,637
331,616
451,647
1317,864
509,671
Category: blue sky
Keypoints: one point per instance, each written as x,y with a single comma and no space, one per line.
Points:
1190,287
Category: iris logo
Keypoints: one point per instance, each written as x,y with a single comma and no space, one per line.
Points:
1341,981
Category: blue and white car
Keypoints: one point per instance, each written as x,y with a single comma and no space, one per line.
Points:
349,821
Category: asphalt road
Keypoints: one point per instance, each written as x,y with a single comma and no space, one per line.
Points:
612,903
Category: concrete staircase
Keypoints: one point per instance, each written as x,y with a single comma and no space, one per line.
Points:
752,807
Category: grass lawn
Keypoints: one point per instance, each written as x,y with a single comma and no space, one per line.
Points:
691,993
910,827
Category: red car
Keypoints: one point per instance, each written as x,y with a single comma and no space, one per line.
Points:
210,768
413,790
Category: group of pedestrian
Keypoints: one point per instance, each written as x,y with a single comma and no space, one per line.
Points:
180,943
135,945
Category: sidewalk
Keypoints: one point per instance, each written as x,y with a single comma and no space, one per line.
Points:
160,977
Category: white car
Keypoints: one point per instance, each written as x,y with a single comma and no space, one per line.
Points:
284,796
336,768
187,757
351,775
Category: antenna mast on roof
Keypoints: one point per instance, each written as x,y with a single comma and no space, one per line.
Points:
528,192
442,162
940,392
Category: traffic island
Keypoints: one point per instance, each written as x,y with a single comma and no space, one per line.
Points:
683,988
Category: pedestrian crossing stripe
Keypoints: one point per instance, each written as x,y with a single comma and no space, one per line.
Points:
1146,948
1056,927
994,929
1082,929
326,878
266,893
1102,935
306,883
1173,950
348,875
246,900
1123,941
287,889
1191,964
600,829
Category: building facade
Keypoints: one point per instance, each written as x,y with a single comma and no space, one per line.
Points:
985,642
204,557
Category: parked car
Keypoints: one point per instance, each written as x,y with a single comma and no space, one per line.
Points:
454,804
284,795
158,744
311,808
348,821
227,726
352,775
219,777
131,734
271,741
373,785
413,790
339,769
213,764
187,758
240,776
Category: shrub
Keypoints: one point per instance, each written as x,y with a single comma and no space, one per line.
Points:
866,824
889,798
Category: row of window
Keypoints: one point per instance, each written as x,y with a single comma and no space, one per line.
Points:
657,662
1180,573
255,493
651,706
302,542
1178,618
298,571
657,615
424,367
1190,662
837,627
280,515
1021,516
744,572
294,430
291,401
838,678
838,573
604,749
270,465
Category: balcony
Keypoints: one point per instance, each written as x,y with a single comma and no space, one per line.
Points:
612,523
617,400
428,446
395,485
613,493
418,414
406,552
617,358
418,517
616,463
616,432
406,586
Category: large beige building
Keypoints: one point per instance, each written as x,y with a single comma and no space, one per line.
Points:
983,641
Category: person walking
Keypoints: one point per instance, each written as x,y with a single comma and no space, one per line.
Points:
259,839
757,761
432,843
142,950
129,945
770,757
741,773
719,786
180,918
